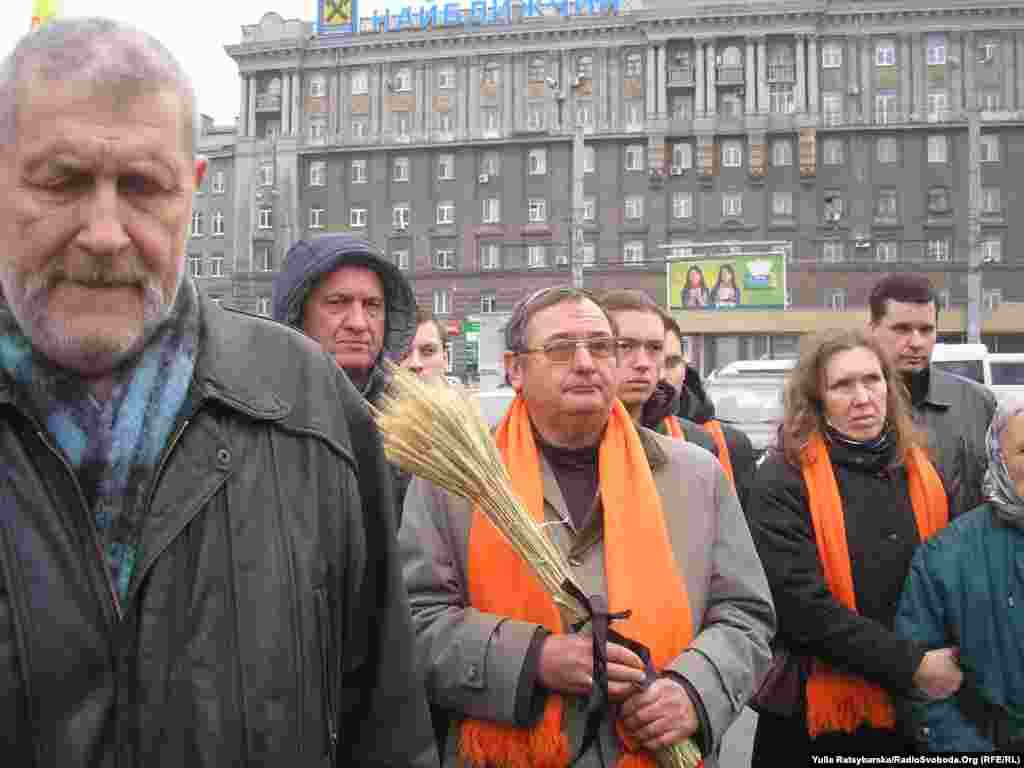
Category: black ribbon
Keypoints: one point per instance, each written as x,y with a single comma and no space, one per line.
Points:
598,704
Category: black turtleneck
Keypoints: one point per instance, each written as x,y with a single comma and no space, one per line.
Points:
917,385
576,472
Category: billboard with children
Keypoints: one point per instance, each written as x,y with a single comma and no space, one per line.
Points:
736,281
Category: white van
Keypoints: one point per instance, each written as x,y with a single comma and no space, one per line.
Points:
1006,374
967,360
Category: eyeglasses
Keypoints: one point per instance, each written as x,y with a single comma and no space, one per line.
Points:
600,348
632,346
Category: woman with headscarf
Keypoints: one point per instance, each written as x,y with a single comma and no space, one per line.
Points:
836,513
966,588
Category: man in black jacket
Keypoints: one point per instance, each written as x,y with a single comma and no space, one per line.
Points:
197,557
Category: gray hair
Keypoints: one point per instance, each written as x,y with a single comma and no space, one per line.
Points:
527,307
97,51
997,486
1006,410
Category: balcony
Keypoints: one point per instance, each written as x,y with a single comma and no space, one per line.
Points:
729,75
781,73
268,102
680,76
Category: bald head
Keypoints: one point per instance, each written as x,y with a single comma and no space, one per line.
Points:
105,58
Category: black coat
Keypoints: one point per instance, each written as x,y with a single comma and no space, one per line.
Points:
881,536
266,617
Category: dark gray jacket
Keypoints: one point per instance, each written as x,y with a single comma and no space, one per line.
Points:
266,623
956,413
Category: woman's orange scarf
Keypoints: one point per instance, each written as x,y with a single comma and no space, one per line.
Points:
837,701
641,575
713,428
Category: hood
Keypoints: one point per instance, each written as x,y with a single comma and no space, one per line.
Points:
310,259
694,403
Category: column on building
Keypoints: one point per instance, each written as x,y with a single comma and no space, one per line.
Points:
905,63
957,46
243,106
332,105
662,84
919,97
508,111
426,82
344,106
699,78
296,99
286,104
252,105
614,91
865,79
518,91
712,74
762,75
1019,45
566,116
375,90
384,79
464,97
813,63
800,91
650,89
475,123
750,79
852,79
601,89
1010,65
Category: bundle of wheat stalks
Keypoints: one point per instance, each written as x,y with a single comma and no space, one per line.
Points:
433,430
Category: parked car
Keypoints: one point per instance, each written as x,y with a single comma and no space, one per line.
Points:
1006,374
966,360
752,404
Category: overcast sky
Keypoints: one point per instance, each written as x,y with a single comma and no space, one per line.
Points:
195,31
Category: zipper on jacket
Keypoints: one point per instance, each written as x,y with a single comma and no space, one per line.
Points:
91,525
323,626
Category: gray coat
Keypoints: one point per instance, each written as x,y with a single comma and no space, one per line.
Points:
956,413
473,661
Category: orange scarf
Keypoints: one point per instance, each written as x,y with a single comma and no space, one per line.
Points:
837,701
713,428
641,558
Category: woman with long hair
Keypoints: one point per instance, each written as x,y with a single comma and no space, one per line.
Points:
726,292
695,294
836,512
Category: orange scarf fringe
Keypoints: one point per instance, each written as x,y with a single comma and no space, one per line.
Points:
642,557
713,428
673,428
837,701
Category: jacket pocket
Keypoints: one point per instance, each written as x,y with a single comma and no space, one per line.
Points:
327,689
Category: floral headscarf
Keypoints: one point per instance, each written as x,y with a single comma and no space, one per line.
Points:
997,486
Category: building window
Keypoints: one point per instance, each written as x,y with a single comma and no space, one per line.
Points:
833,152
316,218
589,209
317,173
536,257
634,65
589,159
682,107
535,117
832,108
446,212
538,69
264,259
831,56
264,306
490,256
401,259
402,81
357,217
730,106
400,169
732,154
587,253
360,82
888,150
359,171
780,99
491,73
886,251
317,86
491,164
682,155
682,205
837,299
217,265
537,210
990,100
634,116
446,125
195,265
446,167
492,210
885,107
992,299
936,49
442,301
732,205
938,106
491,121
833,200
938,200
266,174
992,249
218,183
585,114
359,127
886,205
633,252
885,54
634,207
585,67
989,148
266,218
832,251
400,216
938,148
196,229
634,157
987,51
444,259
446,77
782,204
938,250
991,200
782,152
538,162
488,303
317,130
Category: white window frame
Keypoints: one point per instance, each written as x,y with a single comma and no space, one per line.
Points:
634,64
633,252
318,130
537,69
585,115
444,259
264,306
491,72
491,121
781,98
490,256
401,216
891,154
833,151
265,218
891,207
989,148
537,210
588,255
990,99
633,207
490,163
217,265
357,217
217,187
400,169
442,301
936,50
831,55
885,54
195,265
682,205
535,117
318,173
990,195
837,299
991,298
266,174
992,249
446,167
401,81
589,212
360,127
635,157
401,259
585,66
782,203
195,228
446,77
265,262
403,127
833,252
536,256
832,108
886,252
938,105
358,172
316,218
446,125
445,212
360,82
885,107
782,152
488,303
732,205
938,249
317,86
537,162
732,154
491,210
634,115
589,159
682,154
938,148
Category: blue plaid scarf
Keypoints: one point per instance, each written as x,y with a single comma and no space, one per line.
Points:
113,446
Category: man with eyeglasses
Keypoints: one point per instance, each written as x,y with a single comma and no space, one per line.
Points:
650,401
649,523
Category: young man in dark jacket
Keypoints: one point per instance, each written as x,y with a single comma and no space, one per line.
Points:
197,558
